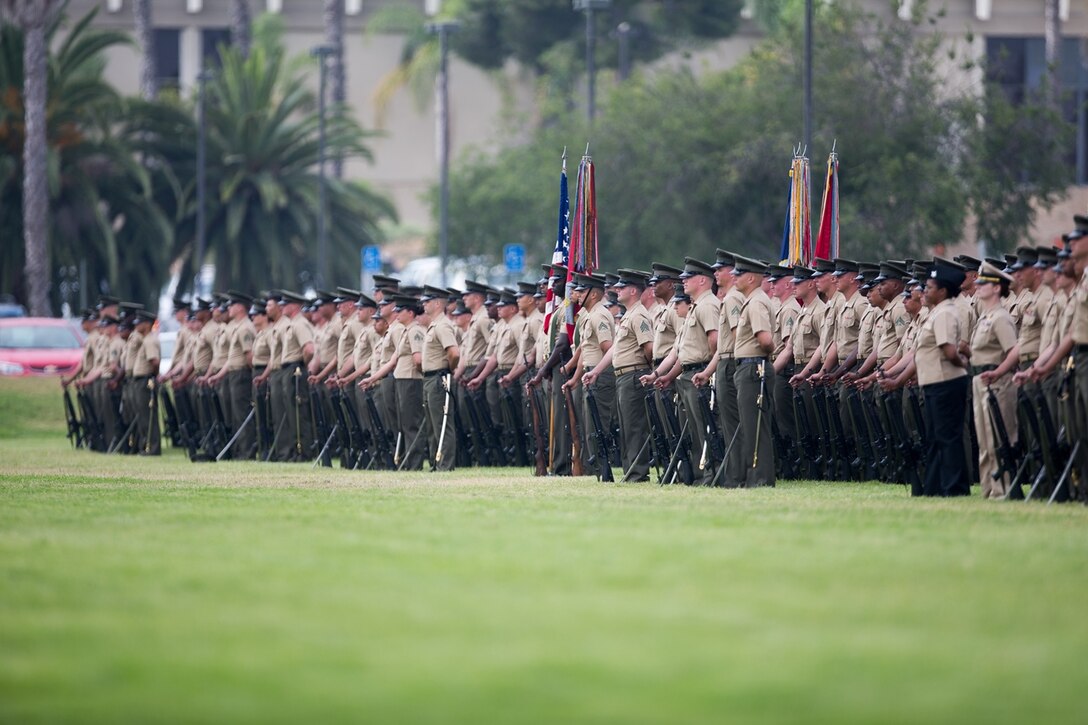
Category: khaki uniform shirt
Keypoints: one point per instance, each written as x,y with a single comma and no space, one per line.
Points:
507,344
866,340
296,335
183,347
530,335
1031,323
441,335
1078,325
755,317
474,345
102,353
806,336
785,322
890,328
220,345
594,328
1052,319
634,331
387,348
367,341
90,346
128,354
205,346
1016,304
968,316
728,317
704,316
240,344
831,320
345,344
143,355
942,327
327,343
666,325
261,349
848,325
994,336
411,342
275,342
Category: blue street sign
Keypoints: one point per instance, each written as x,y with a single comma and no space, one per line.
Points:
372,259
513,256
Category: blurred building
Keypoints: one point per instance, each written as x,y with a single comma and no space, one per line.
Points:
1008,33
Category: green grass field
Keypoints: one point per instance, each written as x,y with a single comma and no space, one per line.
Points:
134,589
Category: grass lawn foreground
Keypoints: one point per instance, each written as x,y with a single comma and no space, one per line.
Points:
135,590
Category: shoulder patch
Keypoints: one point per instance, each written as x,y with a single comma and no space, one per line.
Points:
603,325
645,326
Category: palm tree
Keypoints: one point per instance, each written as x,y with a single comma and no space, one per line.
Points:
33,17
105,209
263,181
145,35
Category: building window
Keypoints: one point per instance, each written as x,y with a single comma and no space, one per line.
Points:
1018,66
168,58
212,39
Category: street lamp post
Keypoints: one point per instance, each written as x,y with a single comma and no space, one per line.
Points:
807,110
321,52
201,181
589,6
442,110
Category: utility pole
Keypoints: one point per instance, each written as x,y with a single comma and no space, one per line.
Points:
442,112
589,6
322,52
201,177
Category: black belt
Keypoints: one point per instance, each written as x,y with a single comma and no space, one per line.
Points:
503,371
134,378
979,369
432,373
693,366
289,365
750,360
1080,348
259,368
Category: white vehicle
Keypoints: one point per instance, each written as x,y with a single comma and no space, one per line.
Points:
166,350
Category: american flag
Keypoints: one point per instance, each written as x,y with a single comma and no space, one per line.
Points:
562,244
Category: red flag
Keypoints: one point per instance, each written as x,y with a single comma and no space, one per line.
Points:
827,241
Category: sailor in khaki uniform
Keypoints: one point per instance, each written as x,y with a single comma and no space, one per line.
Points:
439,359
753,346
691,354
296,351
408,380
237,372
629,357
942,377
994,357
594,335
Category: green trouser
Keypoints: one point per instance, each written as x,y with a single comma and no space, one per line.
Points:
725,393
385,399
634,425
754,403
559,433
239,385
443,438
693,416
130,413
282,408
148,436
297,440
604,392
409,396
785,419
1080,414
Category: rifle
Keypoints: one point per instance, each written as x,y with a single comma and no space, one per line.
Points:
466,449
539,433
851,463
909,458
681,449
381,434
341,424
1040,453
1007,453
575,436
604,463
661,449
838,462
358,449
75,433
714,440
93,437
882,463
477,408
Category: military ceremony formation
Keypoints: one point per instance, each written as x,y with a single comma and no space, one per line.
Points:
733,373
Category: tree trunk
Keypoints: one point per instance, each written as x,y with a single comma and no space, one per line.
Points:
1053,39
145,35
334,37
240,30
35,155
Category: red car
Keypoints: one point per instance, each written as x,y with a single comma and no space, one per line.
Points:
39,346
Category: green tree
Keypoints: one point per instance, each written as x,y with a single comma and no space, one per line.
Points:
101,201
262,179
687,163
